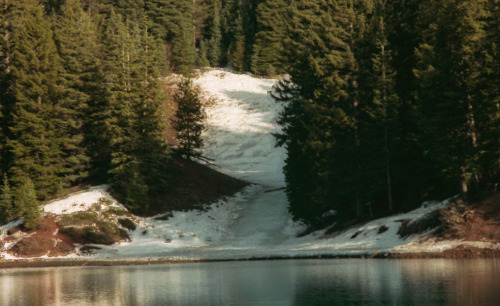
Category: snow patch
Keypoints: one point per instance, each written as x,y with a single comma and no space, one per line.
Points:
82,201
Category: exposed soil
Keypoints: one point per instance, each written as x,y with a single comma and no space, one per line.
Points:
475,221
169,87
45,240
193,185
458,252
486,221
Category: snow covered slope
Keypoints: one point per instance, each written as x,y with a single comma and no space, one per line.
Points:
239,139
255,222
239,127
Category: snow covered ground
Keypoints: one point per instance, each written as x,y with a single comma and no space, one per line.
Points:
255,222
81,201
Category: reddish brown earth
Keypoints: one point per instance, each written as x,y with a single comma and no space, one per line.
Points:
192,186
480,222
458,252
486,221
45,240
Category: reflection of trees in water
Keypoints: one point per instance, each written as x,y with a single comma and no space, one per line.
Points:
456,281
292,282
401,282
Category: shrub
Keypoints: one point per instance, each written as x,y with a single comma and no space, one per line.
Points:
382,229
456,220
426,222
81,218
127,223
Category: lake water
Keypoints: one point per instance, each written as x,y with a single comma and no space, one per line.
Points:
287,282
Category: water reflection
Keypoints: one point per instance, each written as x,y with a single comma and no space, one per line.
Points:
294,282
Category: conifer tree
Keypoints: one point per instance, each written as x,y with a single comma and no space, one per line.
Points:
151,149
25,202
189,120
268,51
77,41
118,112
322,69
159,12
448,73
36,138
202,55
9,12
237,47
133,113
215,35
488,111
6,201
172,21
378,116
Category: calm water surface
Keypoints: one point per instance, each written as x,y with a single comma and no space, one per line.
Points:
290,282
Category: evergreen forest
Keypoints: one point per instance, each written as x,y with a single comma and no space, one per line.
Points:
386,103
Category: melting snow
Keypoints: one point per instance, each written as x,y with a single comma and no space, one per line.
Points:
81,201
255,222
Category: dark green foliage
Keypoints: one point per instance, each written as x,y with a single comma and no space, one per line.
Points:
236,51
202,55
368,119
321,110
448,74
488,117
77,41
173,22
38,131
132,113
214,53
189,119
267,58
26,203
387,102
6,202
127,223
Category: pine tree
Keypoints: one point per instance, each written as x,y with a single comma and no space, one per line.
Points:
378,116
237,47
321,150
25,201
6,201
9,12
122,93
151,149
36,139
215,36
448,73
132,114
77,41
268,50
172,21
488,111
189,120
133,10
159,12
202,55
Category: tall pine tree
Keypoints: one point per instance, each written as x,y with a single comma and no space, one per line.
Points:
37,132
448,73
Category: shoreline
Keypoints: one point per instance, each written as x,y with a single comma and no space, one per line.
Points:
455,253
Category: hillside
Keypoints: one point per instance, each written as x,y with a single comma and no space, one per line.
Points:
253,223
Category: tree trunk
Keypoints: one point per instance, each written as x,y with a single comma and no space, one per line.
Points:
463,183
